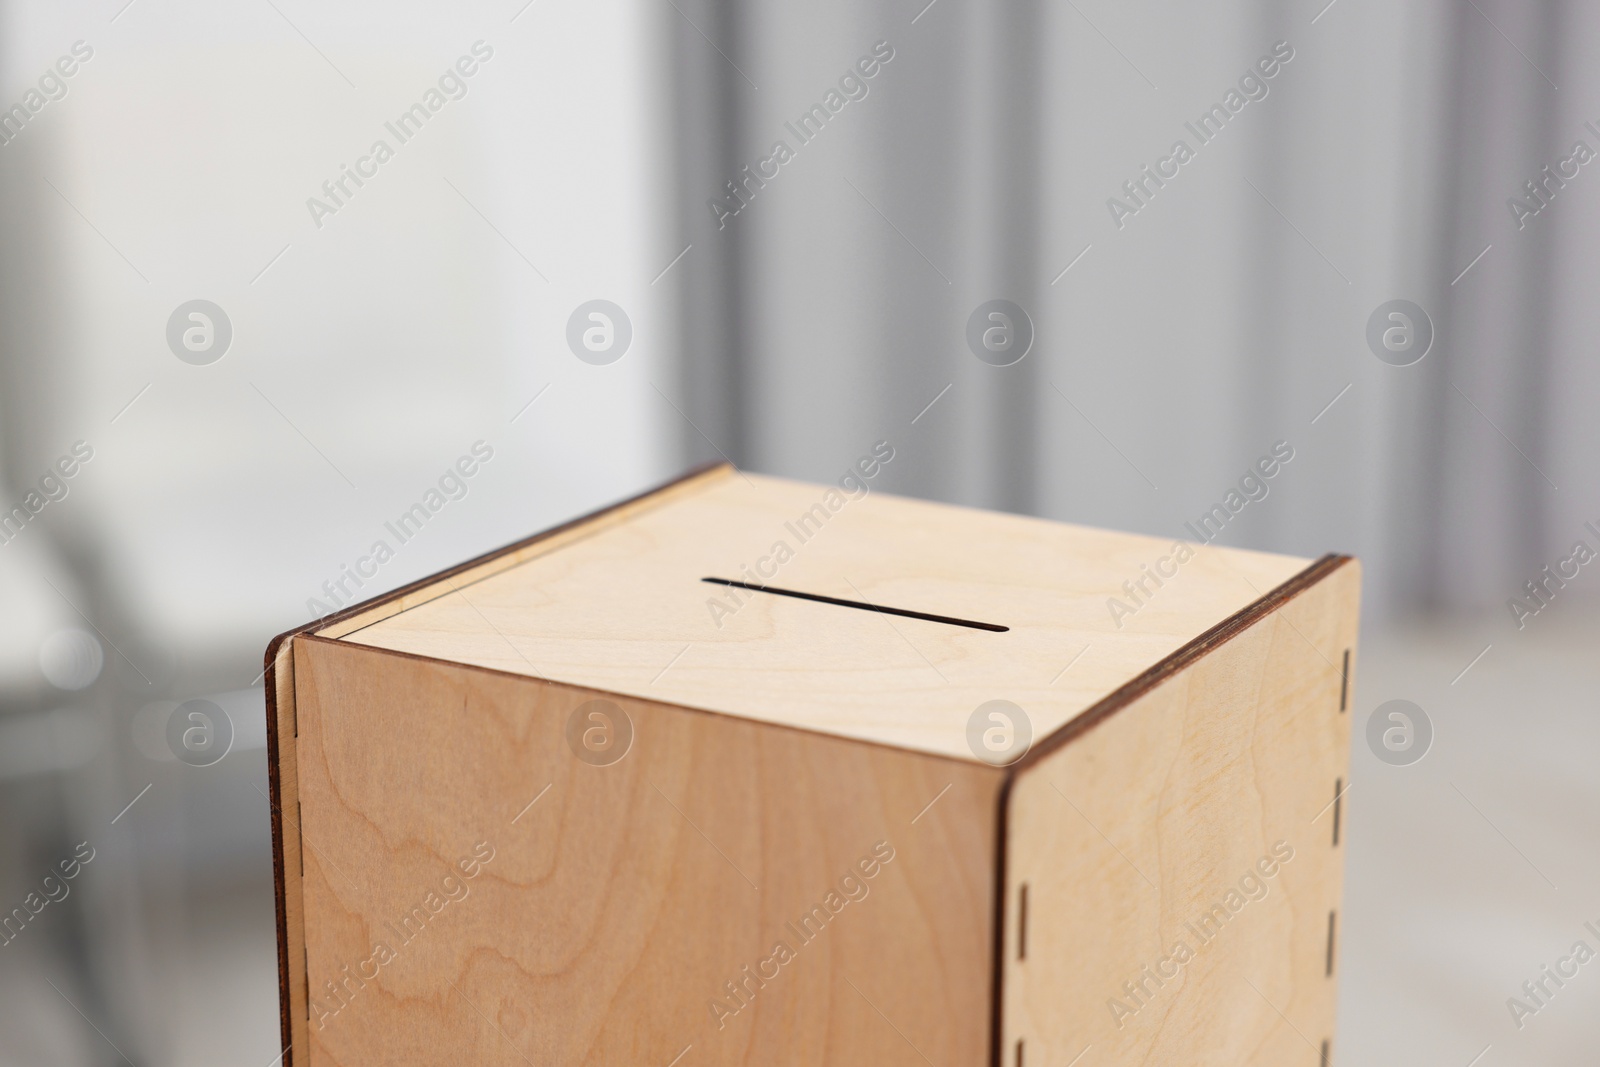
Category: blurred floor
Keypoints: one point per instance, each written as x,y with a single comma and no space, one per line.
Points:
226,972
1471,869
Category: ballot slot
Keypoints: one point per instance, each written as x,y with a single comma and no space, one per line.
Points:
862,605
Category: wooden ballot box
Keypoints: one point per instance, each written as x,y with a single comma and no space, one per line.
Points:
750,771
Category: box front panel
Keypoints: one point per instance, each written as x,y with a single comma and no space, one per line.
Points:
1181,863
500,871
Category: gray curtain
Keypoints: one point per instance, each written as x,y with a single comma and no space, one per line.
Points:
818,320
1223,317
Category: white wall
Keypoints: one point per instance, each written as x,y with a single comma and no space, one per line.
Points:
394,336
366,358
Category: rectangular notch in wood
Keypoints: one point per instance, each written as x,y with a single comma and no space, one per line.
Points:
1333,917
1344,682
1022,922
1338,800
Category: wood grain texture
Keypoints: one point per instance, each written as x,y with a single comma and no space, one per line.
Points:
1127,836
615,908
623,608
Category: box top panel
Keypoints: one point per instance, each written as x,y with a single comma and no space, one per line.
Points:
974,606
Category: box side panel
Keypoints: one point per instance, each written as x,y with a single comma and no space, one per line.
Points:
475,892
1173,874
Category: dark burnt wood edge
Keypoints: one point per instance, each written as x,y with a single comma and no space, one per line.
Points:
274,787
1190,653
275,806
1103,709
997,962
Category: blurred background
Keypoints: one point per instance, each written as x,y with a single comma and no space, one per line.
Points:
1178,314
